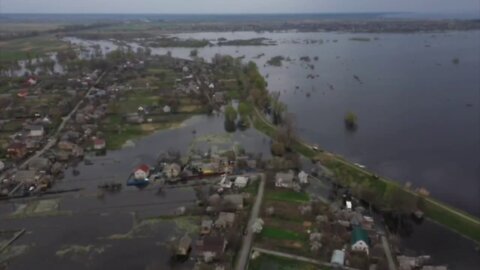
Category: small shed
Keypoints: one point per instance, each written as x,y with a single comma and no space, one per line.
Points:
284,180
184,245
99,144
338,258
241,181
206,226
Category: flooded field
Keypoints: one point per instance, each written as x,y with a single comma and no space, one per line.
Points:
123,230
410,96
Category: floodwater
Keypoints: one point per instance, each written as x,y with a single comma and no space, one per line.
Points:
91,220
418,111
418,121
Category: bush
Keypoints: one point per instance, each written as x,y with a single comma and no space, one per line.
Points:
351,120
278,149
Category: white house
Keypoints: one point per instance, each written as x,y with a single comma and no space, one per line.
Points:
167,109
241,181
338,258
303,177
141,172
36,131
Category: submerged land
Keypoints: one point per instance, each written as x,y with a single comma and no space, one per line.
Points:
298,206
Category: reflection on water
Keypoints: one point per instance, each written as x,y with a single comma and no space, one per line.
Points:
410,98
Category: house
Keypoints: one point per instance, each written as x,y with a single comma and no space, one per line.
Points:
99,144
211,247
338,258
71,136
63,155
303,177
36,131
184,245
141,172
236,200
39,164
241,181
17,150
225,220
27,177
219,97
134,118
206,226
31,81
167,109
360,241
284,180
66,146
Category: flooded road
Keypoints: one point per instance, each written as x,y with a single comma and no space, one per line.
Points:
90,230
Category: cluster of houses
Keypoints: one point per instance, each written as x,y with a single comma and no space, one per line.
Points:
222,217
37,130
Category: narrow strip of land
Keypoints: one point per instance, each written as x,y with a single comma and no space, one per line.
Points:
466,224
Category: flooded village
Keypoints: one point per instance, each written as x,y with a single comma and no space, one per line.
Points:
131,160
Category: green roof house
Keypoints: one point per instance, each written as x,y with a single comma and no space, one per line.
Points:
360,241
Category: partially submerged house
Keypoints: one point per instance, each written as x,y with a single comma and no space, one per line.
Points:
36,131
184,245
27,177
141,172
360,241
206,226
338,258
39,164
99,144
17,150
225,220
284,180
211,247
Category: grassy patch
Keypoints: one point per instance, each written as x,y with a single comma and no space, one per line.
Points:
281,234
38,208
149,226
22,48
273,262
287,196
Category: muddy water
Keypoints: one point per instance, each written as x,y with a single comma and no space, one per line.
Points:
86,219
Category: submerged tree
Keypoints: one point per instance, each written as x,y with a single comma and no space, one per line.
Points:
351,121
230,118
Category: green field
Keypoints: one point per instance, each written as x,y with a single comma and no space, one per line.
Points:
280,234
287,196
23,48
278,263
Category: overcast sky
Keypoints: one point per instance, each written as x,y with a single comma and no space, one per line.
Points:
237,6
